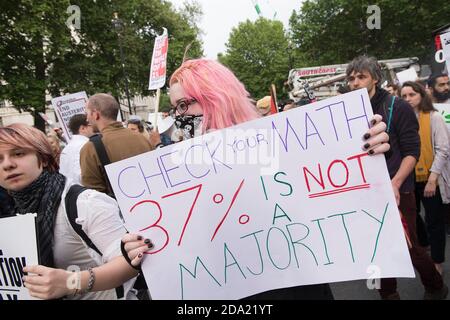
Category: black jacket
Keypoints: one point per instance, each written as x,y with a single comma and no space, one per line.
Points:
403,133
6,203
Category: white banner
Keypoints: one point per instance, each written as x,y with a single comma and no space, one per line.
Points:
286,200
159,62
444,110
18,248
445,41
68,106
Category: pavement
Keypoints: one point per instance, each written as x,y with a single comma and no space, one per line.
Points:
408,288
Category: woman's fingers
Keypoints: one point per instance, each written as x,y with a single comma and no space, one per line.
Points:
129,246
131,237
135,252
376,128
37,269
377,143
34,280
139,256
33,288
379,149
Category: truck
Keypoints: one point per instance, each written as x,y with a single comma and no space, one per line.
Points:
321,82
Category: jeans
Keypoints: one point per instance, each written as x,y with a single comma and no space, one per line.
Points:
431,279
435,212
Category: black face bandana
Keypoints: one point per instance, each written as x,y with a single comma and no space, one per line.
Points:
441,96
187,126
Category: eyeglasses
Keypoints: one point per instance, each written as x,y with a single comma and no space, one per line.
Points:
182,106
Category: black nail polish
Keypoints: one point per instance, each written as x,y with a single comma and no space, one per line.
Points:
140,255
366,136
139,237
147,241
373,122
367,146
150,245
371,152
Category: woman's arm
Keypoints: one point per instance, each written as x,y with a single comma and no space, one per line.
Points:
50,283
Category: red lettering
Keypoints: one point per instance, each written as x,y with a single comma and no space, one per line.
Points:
320,182
359,156
329,170
154,225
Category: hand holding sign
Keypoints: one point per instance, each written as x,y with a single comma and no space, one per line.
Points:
47,283
376,137
135,246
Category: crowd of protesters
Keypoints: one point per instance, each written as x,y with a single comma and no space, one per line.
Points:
36,176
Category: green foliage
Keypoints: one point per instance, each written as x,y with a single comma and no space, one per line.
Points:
257,52
164,103
335,31
38,52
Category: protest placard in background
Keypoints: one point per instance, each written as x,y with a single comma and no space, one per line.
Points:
159,62
290,199
68,106
407,75
18,248
445,41
444,110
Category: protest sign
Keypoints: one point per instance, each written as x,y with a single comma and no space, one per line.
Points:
68,106
285,200
18,248
444,110
159,58
445,41
407,75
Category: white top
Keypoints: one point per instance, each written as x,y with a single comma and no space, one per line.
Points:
99,218
69,163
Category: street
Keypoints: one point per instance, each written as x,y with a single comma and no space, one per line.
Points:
408,288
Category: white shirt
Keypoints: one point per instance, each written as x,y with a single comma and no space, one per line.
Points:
69,163
99,218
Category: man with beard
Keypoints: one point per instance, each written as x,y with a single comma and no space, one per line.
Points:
438,85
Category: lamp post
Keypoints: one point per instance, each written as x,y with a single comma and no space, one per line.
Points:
118,27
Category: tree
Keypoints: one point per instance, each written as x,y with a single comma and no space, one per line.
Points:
25,27
39,53
335,31
257,54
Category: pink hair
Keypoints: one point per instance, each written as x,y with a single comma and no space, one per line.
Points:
224,99
23,136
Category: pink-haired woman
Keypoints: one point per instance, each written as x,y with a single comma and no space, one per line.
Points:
206,96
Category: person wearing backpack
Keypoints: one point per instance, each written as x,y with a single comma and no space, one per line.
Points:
69,267
117,142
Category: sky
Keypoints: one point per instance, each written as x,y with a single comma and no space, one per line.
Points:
220,16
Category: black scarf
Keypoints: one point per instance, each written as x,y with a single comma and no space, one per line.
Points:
43,197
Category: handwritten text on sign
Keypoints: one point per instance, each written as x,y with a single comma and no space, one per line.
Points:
18,248
286,200
67,106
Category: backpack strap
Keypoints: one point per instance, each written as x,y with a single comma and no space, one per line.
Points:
72,214
96,139
391,109
100,149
